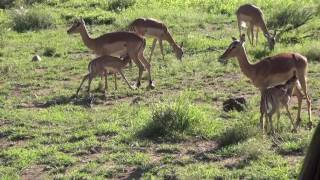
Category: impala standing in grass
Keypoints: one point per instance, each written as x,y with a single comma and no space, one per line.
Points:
252,17
158,30
272,71
118,44
102,66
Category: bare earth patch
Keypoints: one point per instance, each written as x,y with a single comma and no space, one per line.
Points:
35,172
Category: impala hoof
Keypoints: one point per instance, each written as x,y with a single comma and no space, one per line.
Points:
132,87
151,85
309,125
137,85
294,130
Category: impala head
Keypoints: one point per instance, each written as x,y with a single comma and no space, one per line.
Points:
75,28
233,50
271,39
179,51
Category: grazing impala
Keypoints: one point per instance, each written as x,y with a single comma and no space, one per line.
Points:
157,30
273,98
102,66
119,44
252,16
272,71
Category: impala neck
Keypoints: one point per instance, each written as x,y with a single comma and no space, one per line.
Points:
88,41
265,29
245,66
172,43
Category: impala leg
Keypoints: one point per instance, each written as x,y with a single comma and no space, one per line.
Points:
161,48
140,67
84,79
266,123
249,33
299,95
125,79
105,84
152,48
278,120
89,85
262,122
257,33
303,82
147,66
239,26
252,34
115,81
270,122
289,115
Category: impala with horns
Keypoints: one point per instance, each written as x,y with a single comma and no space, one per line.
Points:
252,17
118,44
158,30
272,71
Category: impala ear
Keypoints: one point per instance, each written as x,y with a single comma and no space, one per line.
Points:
243,38
233,38
81,20
181,44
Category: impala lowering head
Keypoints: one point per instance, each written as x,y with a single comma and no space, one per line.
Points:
271,40
179,51
233,49
75,28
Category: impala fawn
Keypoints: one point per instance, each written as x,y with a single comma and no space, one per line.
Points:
273,98
102,66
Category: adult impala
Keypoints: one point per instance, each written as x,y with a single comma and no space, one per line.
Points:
119,44
252,16
272,71
157,30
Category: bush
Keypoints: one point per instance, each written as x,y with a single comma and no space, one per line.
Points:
313,53
120,5
2,36
98,20
34,19
49,51
172,120
237,133
6,4
291,17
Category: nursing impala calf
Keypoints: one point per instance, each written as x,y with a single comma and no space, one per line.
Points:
272,99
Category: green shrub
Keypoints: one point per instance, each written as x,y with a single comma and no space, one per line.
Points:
313,53
291,17
2,36
34,19
99,20
120,5
172,120
31,2
237,133
49,51
6,3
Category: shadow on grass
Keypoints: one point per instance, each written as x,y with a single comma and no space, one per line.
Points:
63,100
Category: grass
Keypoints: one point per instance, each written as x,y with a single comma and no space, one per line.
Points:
178,130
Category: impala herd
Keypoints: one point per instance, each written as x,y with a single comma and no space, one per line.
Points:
277,77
